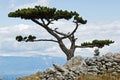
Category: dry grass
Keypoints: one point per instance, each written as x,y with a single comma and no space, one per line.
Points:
33,77
36,76
99,77
81,77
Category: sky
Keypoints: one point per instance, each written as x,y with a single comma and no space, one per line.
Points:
103,23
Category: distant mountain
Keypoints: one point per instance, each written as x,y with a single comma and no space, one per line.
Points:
12,67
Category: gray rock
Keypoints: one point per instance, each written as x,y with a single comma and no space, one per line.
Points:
118,67
114,73
59,68
114,63
109,55
79,70
98,59
83,64
116,60
110,70
93,69
118,71
116,55
75,61
50,71
109,64
99,64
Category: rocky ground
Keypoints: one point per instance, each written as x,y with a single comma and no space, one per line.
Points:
109,63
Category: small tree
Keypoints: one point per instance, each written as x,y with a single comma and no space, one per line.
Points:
44,16
98,44
97,53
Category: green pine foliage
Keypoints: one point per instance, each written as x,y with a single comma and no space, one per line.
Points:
97,43
30,38
40,12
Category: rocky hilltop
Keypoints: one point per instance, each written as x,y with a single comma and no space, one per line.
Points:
108,63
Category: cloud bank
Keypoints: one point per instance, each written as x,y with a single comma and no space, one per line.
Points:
10,47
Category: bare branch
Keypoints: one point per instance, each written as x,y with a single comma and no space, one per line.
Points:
68,34
49,22
43,21
37,22
75,28
46,40
89,46
72,31
60,33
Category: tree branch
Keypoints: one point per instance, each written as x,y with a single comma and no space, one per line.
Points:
49,30
72,31
43,21
89,46
37,22
60,33
46,40
75,28
49,21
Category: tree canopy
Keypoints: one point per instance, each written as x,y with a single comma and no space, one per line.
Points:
46,13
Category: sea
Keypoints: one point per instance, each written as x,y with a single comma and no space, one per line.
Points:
12,67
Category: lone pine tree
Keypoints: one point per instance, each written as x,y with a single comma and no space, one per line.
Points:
44,16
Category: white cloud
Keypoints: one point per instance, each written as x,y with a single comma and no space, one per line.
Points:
88,32
21,54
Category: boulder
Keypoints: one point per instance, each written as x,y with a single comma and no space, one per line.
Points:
114,73
50,71
117,56
109,55
73,62
80,69
59,68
